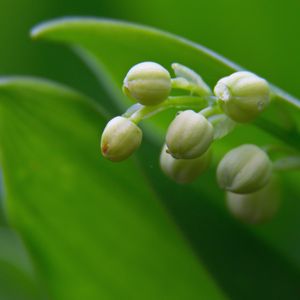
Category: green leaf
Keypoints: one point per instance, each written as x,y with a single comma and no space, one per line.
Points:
110,48
17,280
235,254
95,229
265,257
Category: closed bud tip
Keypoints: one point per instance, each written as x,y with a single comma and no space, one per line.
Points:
183,170
189,135
242,95
120,139
149,83
244,169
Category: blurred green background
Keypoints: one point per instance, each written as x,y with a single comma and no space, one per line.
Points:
260,35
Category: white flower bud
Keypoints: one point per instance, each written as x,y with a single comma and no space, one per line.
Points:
189,135
147,82
120,139
183,170
244,169
257,207
242,95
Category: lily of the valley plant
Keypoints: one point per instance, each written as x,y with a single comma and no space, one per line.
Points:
245,172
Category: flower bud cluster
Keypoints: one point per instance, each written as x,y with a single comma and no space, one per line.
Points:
244,173
189,135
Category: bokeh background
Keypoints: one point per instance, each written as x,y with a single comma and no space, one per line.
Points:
260,35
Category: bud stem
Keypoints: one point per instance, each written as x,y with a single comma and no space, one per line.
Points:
279,148
188,79
210,111
291,160
288,163
193,88
138,113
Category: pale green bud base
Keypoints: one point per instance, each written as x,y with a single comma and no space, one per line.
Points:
183,171
258,207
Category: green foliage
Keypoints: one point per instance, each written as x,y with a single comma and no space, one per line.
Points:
123,231
101,49
95,229
17,281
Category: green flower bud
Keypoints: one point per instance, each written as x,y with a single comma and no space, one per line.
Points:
244,169
242,95
147,82
257,207
183,170
189,135
120,139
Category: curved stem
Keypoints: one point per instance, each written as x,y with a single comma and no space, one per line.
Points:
137,114
210,111
188,79
279,148
287,164
193,88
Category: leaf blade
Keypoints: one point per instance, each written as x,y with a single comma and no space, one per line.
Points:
139,43
131,44
116,244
